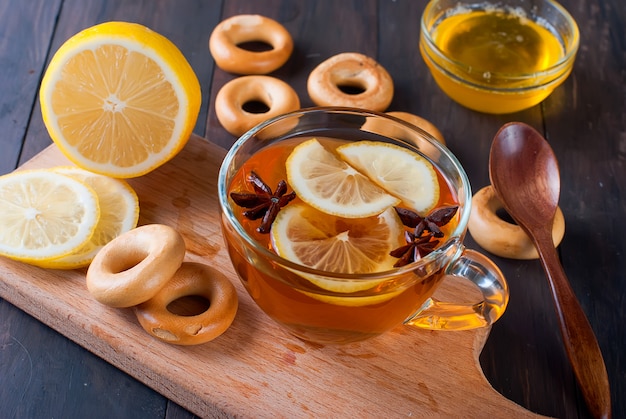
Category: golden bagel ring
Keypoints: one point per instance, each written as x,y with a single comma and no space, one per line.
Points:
420,122
354,70
228,34
191,279
277,95
135,265
499,237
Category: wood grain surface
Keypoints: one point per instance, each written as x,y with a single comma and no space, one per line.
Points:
255,368
43,374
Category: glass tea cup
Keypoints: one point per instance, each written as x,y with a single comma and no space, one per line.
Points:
330,307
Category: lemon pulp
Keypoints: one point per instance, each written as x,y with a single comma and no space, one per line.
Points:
45,215
119,99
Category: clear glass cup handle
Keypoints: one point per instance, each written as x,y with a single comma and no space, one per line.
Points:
481,271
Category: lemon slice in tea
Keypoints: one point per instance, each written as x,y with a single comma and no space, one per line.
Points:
327,183
325,242
329,243
399,171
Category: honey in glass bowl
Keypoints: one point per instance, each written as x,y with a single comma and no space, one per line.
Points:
498,57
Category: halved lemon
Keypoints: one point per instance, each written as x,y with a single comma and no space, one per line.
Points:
119,213
306,236
119,99
45,215
399,171
329,184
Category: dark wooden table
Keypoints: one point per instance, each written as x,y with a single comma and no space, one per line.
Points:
43,374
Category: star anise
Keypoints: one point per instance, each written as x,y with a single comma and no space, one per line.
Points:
263,202
417,248
435,219
420,242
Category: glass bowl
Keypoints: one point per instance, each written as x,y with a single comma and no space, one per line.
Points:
498,56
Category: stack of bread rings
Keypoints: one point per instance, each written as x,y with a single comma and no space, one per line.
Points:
277,95
500,237
144,269
327,84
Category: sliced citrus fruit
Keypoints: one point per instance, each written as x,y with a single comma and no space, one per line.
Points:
327,183
119,213
354,301
399,171
329,243
119,99
45,215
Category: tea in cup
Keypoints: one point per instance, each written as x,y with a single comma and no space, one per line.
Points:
341,224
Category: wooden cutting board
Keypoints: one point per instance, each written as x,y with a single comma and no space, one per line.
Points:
255,369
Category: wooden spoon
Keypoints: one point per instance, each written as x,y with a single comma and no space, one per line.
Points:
525,175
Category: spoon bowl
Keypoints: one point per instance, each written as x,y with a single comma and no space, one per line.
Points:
524,173
520,157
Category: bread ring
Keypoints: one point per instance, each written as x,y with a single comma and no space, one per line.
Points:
500,237
354,70
191,279
236,30
135,265
420,122
277,95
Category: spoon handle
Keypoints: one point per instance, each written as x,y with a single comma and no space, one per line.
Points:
578,337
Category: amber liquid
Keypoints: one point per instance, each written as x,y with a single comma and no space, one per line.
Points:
497,42
303,308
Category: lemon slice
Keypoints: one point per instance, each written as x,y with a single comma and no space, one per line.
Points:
329,243
45,215
354,301
400,172
119,99
327,183
119,213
